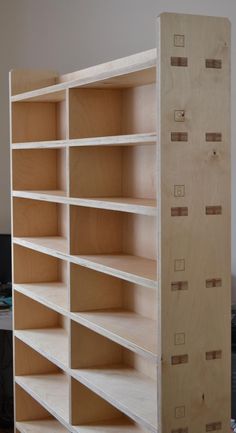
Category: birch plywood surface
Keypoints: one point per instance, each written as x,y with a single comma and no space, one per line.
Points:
122,150
195,247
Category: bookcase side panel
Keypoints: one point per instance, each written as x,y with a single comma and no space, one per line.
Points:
194,135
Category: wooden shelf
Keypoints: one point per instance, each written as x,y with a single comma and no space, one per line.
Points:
131,268
113,140
122,204
125,388
51,294
41,426
53,426
50,390
52,245
55,196
53,343
116,140
51,144
134,70
124,327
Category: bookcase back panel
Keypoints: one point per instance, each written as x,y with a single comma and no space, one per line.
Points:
32,267
38,121
30,362
139,109
104,112
38,218
113,171
39,169
96,231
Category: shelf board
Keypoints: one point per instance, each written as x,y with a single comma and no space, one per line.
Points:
128,390
113,140
55,246
132,205
112,426
138,270
51,294
50,390
129,329
56,196
57,144
52,343
132,70
53,426
135,269
41,426
116,140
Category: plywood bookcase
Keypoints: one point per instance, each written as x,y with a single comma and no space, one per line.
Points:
121,239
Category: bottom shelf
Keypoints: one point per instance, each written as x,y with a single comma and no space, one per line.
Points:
126,388
41,426
52,392
53,426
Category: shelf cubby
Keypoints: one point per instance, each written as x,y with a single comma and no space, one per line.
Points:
31,417
117,176
39,121
113,111
120,242
115,373
40,171
43,381
122,311
41,277
42,223
43,329
93,414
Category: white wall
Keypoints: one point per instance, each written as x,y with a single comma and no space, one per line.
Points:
67,35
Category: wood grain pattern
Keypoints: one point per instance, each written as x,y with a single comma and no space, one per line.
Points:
201,241
121,239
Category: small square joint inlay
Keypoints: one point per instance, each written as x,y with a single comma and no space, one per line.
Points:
179,339
179,190
179,115
179,40
179,265
180,412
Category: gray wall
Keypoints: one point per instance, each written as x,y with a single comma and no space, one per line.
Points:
67,35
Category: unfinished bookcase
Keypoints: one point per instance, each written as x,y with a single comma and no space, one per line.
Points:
121,239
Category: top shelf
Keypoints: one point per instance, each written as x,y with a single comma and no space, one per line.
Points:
130,71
